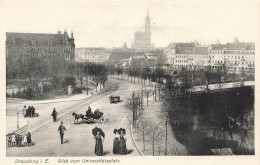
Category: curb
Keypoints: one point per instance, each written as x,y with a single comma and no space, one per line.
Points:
140,152
51,102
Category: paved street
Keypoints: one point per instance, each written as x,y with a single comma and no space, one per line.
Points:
78,138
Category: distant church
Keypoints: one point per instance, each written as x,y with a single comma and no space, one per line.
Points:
142,40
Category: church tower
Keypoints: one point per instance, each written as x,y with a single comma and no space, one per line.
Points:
147,23
147,29
142,40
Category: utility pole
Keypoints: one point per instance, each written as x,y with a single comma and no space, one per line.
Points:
147,98
155,92
142,95
133,110
87,84
17,120
166,136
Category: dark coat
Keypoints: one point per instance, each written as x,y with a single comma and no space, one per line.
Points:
62,129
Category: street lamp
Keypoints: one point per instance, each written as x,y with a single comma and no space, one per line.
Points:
166,136
17,120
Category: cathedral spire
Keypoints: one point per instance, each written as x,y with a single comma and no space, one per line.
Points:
147,16
147,23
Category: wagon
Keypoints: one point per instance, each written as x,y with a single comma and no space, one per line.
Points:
114,99
89,118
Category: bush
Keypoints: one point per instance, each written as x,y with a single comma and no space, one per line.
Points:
77,90
68,81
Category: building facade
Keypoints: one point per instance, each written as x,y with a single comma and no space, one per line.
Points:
142,40
45,46
190,56
95,55
235,56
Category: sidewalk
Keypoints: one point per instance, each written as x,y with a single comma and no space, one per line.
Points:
173,146
74,97
153,111
11,125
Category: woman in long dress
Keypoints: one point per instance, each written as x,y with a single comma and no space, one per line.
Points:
24,140
122,143
116,142
99,144
29,139
13,139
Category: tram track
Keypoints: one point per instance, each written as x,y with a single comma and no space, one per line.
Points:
44,123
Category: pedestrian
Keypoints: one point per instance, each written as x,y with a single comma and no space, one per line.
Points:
9,139
33,111
24,111
122,143
17,139
62,130
29,139
98,144
28,111
13,139
25,140
116,142
54,115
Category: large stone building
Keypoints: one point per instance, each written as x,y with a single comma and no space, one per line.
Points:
96,55
235,56
142,40
190,56
46,46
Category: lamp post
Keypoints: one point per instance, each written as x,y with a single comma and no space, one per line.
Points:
133,109
87,84
166,136
17,120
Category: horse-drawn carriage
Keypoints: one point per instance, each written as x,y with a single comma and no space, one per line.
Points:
89,118
114,99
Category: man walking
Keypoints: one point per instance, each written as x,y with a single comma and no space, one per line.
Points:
62,130
54,115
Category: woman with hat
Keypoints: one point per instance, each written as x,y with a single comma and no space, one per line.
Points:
122,143
116,142
99,137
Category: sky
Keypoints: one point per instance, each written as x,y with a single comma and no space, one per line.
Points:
110,23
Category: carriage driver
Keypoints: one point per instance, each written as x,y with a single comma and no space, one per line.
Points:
88,111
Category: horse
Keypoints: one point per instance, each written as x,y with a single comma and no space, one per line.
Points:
77,116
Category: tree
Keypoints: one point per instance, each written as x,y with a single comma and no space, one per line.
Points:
69,81
147,92
155,134
142,128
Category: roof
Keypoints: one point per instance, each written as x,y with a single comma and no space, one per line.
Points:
40,38
118,56
234,46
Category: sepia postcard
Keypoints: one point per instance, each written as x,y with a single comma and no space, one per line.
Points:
129,82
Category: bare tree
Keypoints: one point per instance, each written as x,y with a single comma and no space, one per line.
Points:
155,134
142,128
147,93
133,103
